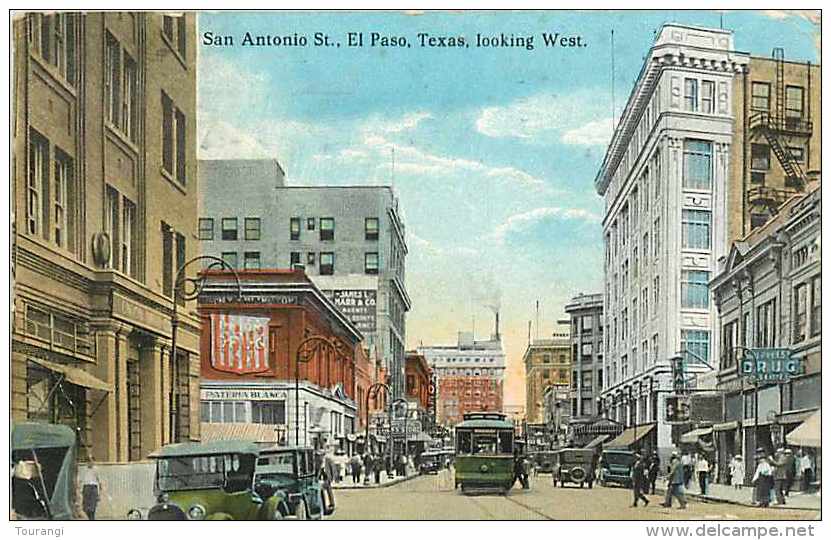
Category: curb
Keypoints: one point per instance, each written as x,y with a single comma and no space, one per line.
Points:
711,499
397,480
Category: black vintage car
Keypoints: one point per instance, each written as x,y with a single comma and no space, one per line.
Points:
544,461
430,462
576,466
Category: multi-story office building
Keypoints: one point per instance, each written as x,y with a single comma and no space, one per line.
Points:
469,376
768,295
586,313
776,143
665,183
547,366
349,239
104,183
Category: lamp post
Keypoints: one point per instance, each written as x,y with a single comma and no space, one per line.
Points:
370,393
395,402
306,351
185,289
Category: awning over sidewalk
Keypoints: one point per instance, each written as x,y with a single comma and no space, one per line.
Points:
726,426
597,441
630,436
808,432
691,437
258,433
75,375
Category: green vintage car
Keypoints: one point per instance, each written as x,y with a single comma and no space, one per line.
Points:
290,474
210,481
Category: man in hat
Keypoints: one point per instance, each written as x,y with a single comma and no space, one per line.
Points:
675,483
652,474
638,481
780,475
790,468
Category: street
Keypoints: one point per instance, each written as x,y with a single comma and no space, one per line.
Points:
432,498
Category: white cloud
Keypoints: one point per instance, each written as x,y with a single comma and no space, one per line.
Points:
405,123
526,220
595,132
221,140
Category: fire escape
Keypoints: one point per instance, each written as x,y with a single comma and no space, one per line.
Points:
779,128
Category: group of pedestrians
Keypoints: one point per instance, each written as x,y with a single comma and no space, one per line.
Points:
776,474
368,467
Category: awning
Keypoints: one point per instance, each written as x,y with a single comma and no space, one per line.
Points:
597,441
258,433
631,436
422,437
726,426
691,437
75,375
795,417
808,433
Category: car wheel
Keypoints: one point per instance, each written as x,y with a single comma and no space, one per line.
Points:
301,512
277,515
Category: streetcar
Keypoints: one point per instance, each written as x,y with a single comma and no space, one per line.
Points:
484,452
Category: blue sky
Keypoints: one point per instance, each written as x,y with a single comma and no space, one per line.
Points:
495,150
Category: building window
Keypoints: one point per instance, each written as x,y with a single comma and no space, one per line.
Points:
766,324
371,263
112,80
327,263
729,338
128,238
310,258
173,140
760,99
175,31
251,260
698,164
695,229
794,101
654,348
656,237
371,228
816,307
798,153
760,157
268,412
294,258
229,228
112,224
230,258
691,95
327,228
800,312
64,202
697,343
694,291
310,223
206,228
181,256
252,228
167,260
708,97
37,185
294,228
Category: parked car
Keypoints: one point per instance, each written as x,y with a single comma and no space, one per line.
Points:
290,474
43,471
575,466
430,462
544,461
210,481
616,467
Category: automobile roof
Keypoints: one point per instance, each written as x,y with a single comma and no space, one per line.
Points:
41,435
281,449
207,449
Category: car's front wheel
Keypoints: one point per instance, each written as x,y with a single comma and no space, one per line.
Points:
301,512
277,514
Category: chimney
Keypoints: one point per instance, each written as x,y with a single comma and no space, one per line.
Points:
496,332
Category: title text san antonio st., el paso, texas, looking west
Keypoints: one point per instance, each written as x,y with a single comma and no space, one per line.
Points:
502,40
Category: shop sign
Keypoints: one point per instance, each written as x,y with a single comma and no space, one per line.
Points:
239,343
233,394
677,409
770,365
358,305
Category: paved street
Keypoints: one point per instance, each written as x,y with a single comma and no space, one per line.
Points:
433,497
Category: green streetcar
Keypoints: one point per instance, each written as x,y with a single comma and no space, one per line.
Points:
485,452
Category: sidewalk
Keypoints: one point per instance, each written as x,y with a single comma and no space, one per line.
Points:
727,494
385,481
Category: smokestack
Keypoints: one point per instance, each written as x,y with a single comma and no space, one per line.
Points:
496,332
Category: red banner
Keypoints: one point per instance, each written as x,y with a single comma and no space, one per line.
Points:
239,344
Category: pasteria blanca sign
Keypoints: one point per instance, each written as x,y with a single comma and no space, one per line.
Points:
770,365
359,306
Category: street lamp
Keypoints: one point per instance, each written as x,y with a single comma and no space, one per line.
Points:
371,392
306,351
185,289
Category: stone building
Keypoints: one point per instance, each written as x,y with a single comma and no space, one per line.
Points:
349,239
586,314
104,191
776,142
665,181
768,295
547,364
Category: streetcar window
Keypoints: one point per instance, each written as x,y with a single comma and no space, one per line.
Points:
463,440
484,444
506,442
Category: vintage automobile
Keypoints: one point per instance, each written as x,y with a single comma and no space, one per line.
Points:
210,481
290,474
616,467
574,465
44,469
431,462
544,461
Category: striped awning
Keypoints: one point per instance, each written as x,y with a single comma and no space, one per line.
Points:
258,433
808,432
631,436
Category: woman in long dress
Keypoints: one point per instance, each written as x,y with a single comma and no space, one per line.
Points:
763,481
737,472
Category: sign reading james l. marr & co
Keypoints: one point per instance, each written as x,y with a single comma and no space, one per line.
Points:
358,305
242,394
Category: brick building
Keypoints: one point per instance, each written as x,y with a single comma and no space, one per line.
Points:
418,376
279,310
547,365
104,187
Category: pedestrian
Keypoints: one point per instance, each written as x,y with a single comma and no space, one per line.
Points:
780,475
90,489
762,480
737,472
687,466
378,464
806,467
652,474
327,475
369,467
790,469
402,465
355,468
675,483
702,470
519,470
638,478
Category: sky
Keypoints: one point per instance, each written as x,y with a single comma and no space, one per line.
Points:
492,152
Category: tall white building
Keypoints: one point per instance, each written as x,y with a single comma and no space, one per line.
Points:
664,180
